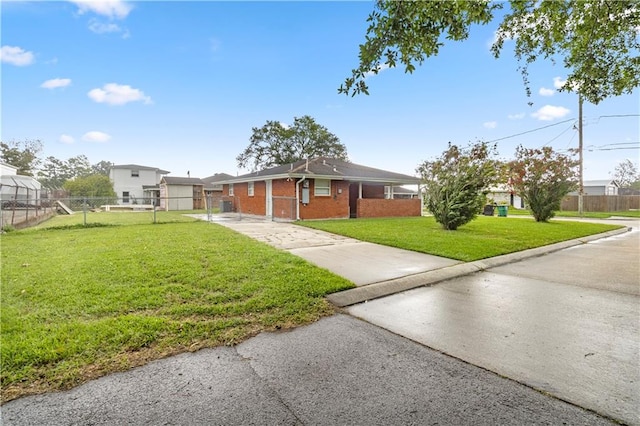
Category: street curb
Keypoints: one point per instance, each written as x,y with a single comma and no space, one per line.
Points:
397,285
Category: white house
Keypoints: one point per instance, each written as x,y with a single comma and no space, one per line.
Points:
599,187
135,184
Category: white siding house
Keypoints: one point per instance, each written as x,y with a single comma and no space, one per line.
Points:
599,187
135,184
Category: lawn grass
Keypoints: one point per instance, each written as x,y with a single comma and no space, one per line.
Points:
117,218
78,303
482,238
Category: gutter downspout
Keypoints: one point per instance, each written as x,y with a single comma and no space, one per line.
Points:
298,196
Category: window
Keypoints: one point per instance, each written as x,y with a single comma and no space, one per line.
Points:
231,190
322,187
135,173
250,189
125,197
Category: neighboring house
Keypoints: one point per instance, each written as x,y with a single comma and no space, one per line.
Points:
18,190
213,188
181,193
321,188
598,187
503,195
135,184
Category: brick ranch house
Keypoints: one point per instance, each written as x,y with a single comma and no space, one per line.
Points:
321,188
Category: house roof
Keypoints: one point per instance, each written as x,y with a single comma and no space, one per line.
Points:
139,167
217,178
176,180
602,182
327,168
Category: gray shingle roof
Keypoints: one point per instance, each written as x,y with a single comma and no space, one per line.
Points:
176,180
327,168
139,167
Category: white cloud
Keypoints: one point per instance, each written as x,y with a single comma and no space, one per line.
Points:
110,8
518,116
16,56
550,112
118,94
95,136
490,124
66,139
55,83
558,82
102,28
546,92
284,125
381,68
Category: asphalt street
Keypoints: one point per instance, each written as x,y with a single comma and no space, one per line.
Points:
567,323
337,371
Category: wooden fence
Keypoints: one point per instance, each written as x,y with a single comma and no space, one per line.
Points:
602,203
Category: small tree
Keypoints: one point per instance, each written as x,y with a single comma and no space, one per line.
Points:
275,144
458,181
96,187
543,178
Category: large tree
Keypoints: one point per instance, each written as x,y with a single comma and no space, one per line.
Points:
597,41
543,177
55,172
21,154
626,173
275,144
456,183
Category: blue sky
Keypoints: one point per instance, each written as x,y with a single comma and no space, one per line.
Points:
179,86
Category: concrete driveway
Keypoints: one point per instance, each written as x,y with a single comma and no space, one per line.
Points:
567,323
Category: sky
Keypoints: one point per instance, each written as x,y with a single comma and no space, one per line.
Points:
180,85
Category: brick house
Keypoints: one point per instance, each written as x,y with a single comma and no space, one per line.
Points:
321,188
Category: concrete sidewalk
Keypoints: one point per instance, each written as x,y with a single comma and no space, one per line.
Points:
378,270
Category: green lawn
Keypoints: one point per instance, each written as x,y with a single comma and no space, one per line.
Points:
117,218
78,303
484,237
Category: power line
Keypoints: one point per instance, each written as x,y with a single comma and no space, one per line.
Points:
533,130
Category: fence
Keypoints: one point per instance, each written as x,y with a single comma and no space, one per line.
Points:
24,209
602,203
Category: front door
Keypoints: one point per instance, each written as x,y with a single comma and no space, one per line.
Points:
354,194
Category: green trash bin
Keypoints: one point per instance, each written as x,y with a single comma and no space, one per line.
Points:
502,211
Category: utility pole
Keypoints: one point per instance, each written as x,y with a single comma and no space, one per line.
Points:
581,184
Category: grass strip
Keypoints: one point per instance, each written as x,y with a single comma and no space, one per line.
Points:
482,238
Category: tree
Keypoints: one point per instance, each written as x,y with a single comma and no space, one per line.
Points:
275,144
597,41
98,188
54,172
21,154
626,174
543,177
458,181
101,168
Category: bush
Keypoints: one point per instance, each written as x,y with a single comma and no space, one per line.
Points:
458,181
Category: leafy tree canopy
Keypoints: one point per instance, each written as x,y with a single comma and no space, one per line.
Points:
21,154
275,144
542,177
597,41
55,172
96,187
457,182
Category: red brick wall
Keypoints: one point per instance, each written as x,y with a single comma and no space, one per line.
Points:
332,206
388,208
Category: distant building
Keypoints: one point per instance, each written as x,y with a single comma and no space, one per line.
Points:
181,193
18,189
599,187
135,184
